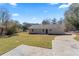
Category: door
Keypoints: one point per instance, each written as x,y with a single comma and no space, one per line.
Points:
46,31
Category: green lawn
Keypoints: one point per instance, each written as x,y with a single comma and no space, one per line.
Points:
8,43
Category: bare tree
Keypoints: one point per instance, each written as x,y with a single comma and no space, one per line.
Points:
4,18
61,21
54,21
46,21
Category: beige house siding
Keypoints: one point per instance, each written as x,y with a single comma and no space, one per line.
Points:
56,30
42,31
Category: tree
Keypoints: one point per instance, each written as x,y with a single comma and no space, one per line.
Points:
8,25
4,18
46,21
18,25
13,27
72,16
54,21
61,21
26,26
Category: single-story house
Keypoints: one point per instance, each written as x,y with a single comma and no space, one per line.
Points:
47,29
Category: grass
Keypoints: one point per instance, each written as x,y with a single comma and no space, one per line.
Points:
8,43
77,36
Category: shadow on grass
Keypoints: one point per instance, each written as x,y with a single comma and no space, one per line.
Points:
7,36
12,35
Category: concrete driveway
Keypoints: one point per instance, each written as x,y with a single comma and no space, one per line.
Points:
25,50
66,46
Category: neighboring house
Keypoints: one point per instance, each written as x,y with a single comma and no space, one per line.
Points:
47,29
2,30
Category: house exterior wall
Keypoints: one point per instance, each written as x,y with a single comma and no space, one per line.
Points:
56,31
36,31
50,31
0,30
3,33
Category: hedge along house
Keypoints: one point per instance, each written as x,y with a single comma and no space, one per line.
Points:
47,29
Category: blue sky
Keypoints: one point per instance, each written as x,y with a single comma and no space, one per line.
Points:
35,12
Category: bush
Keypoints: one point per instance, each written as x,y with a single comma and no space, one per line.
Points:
11,30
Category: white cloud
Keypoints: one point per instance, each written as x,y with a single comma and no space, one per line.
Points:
13,4
53,3
65,5
45,11
34,18
15,14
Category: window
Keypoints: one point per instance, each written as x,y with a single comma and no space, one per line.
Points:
50,29
43,30
32,30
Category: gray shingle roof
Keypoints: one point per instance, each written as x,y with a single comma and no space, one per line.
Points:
46,26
